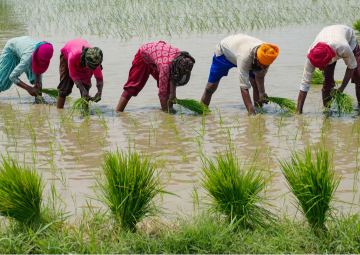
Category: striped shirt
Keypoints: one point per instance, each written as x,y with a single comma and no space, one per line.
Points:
342,40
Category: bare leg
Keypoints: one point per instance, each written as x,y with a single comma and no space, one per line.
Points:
209,90
357,89
122,104
60,102
247,100
326,97
256,97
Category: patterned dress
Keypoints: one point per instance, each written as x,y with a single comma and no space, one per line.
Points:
152,59
16,59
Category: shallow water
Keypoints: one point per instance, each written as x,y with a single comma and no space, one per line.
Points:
68,151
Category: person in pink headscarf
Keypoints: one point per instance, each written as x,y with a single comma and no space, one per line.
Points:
332,43
24,55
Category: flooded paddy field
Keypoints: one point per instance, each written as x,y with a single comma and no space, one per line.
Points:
68,150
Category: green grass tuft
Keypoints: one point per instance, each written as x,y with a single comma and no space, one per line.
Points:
283,103
313,182
237,191
318,77
129,187
21,190
343,102
357,25
54,93
192,105
79,105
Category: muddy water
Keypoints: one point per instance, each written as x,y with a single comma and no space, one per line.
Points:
68,151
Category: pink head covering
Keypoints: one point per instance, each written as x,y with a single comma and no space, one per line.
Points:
41,58
321,55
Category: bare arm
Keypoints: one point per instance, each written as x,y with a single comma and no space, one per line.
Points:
80,85
301,101
260,82
348,74
247,100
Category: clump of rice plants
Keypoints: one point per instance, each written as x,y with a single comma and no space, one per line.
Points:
312,180
130,185
283,103
357,26
54,93
318,77
192,105
21,190
79,104
236,190
343,102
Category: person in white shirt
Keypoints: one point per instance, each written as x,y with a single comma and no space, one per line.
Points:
332,43
252,57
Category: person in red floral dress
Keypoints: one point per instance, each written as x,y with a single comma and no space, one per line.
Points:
169,66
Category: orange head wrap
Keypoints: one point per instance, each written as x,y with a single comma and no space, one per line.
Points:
267,53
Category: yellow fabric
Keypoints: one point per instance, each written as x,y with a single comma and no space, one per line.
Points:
267,53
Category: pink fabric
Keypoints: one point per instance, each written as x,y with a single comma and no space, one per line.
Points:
158,56
321,55
72,52
41,58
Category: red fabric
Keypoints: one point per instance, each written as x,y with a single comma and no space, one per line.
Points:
41,58
321,55
72,52
138,76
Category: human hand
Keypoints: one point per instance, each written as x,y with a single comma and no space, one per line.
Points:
97,97
38,88
334,92
31,91
172,97
263,98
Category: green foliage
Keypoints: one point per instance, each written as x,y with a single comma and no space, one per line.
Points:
54,93
318,77
79,105
357,25
21,190
313,182
283,103
343,102
192,105
129,187
236,191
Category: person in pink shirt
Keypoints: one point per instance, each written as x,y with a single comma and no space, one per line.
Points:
169,66
78,62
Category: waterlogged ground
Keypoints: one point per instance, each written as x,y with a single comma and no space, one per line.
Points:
68,149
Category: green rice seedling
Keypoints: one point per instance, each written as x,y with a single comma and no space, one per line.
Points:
79,105
357,26
313,182
318,77
21,190
343,102
130,185
284,103
235,190
192,105
54,93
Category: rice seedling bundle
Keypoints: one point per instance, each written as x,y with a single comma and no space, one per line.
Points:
21,190
318,77
283,103
79,104
192,105
343,102
235,191
313,182
54,93
129,187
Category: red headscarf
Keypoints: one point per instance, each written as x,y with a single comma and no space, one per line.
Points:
321,55
41,58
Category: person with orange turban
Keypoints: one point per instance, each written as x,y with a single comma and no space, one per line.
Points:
331,44
252,57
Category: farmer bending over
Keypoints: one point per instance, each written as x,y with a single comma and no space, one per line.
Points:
331,44
24,55
169,66
252,57
78,62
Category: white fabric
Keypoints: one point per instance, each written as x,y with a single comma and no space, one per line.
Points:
240,50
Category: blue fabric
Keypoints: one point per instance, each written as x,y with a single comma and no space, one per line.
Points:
16,59
220,67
